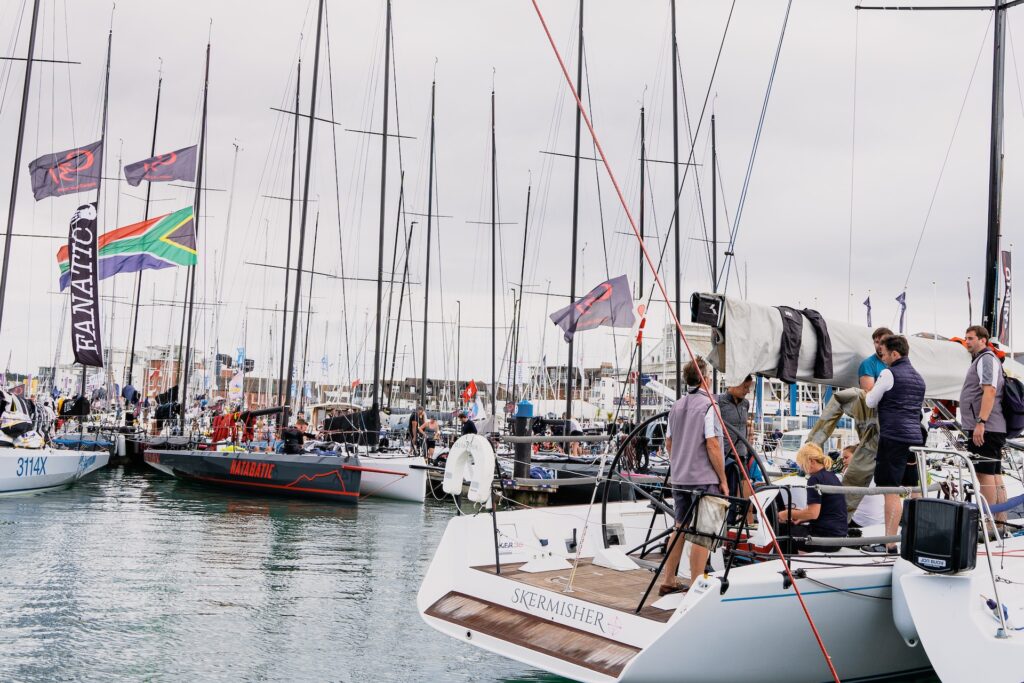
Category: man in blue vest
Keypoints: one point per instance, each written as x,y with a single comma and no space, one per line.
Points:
898,394
697,466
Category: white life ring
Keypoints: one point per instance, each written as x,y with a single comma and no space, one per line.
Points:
471,450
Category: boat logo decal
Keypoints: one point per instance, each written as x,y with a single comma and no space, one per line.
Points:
85,462
534,602
256,470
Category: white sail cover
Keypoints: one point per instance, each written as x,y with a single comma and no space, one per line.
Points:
751,336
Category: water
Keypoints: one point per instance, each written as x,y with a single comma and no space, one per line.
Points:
134,576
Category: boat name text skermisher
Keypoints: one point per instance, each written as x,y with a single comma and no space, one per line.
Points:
256,470
538,602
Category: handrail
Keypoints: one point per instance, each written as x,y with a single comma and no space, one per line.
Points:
1002,632
586,438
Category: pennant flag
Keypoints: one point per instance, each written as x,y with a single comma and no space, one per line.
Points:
902,301
970,308
470,392
161,242
61,173
867,303
85,295
610,304
356,383
177,165
239,355
1004,310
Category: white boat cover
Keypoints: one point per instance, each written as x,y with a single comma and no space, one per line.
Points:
751,336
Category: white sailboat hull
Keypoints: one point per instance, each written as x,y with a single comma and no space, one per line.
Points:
754,631
394,478
24,470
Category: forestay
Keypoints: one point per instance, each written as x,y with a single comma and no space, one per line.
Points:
748,338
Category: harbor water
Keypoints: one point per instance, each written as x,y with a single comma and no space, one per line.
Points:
132,576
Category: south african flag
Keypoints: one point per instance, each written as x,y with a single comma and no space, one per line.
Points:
161,242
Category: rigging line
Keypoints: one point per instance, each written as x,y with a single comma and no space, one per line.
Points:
945,158
337,196
6,69
696,176
683,338
1016,71
757,139
853,168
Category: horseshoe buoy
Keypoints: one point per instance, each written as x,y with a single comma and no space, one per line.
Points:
472,458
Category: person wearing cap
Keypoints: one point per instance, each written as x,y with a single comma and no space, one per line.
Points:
468,426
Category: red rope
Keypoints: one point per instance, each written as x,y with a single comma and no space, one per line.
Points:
682,334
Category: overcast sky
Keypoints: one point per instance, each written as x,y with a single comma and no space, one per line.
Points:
832,168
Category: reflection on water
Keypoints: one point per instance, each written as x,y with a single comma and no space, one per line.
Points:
134,576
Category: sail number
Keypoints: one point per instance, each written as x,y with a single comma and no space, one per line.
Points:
28,467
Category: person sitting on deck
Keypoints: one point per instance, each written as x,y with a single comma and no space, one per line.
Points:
825,514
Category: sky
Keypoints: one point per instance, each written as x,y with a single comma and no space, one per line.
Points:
870,175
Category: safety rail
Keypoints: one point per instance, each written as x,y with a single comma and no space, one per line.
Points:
982,507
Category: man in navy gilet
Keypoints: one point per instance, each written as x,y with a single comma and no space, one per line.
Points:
898,394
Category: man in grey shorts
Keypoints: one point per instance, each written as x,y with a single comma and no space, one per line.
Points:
697,466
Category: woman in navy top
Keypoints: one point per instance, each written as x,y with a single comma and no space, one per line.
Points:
825,514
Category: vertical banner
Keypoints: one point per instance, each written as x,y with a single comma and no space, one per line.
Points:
902,301
867,303
85,304
1004,310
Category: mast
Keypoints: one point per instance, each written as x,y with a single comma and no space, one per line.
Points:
640,274
103,140
714,210
183,391
494,266
675,193
305,207
995,171
17,157
281,397
383,196
399,216
519,307
398,320
575,217
430,219
309,310
145,217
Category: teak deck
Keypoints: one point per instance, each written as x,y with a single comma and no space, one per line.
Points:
606,587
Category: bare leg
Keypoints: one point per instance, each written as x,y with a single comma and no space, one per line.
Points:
698,561
993,491
893,512
672,564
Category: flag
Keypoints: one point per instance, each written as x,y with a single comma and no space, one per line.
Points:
177,165
610,304
235,386
902,301
61,173
470,392
324,365
161,242
356,383
1004,310
867,302
81,275
970,309
239,356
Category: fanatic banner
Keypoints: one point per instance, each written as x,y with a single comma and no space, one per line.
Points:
1004,310
73,170
85,304
609,304
177,165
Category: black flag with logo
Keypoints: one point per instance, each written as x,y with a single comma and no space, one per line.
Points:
1004,310
177,165
73,170
609,304
85,304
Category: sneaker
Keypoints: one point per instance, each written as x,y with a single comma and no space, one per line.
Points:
880,549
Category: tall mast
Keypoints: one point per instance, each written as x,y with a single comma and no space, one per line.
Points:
714,209
519,308
430,219
309,311
17,157
183,391
494,266
281,397
575,216
640,274
305,205
398,319
675,193
383,194
995,171
399,217
145,217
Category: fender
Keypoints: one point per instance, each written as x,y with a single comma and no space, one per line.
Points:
470,451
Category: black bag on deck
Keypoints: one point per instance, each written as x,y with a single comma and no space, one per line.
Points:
1013,406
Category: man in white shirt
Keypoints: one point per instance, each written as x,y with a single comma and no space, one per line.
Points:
870,511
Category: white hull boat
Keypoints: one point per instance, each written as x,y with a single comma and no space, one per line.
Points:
398,477
32,470
712,633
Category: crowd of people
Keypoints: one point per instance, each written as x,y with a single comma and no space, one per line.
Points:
702,457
